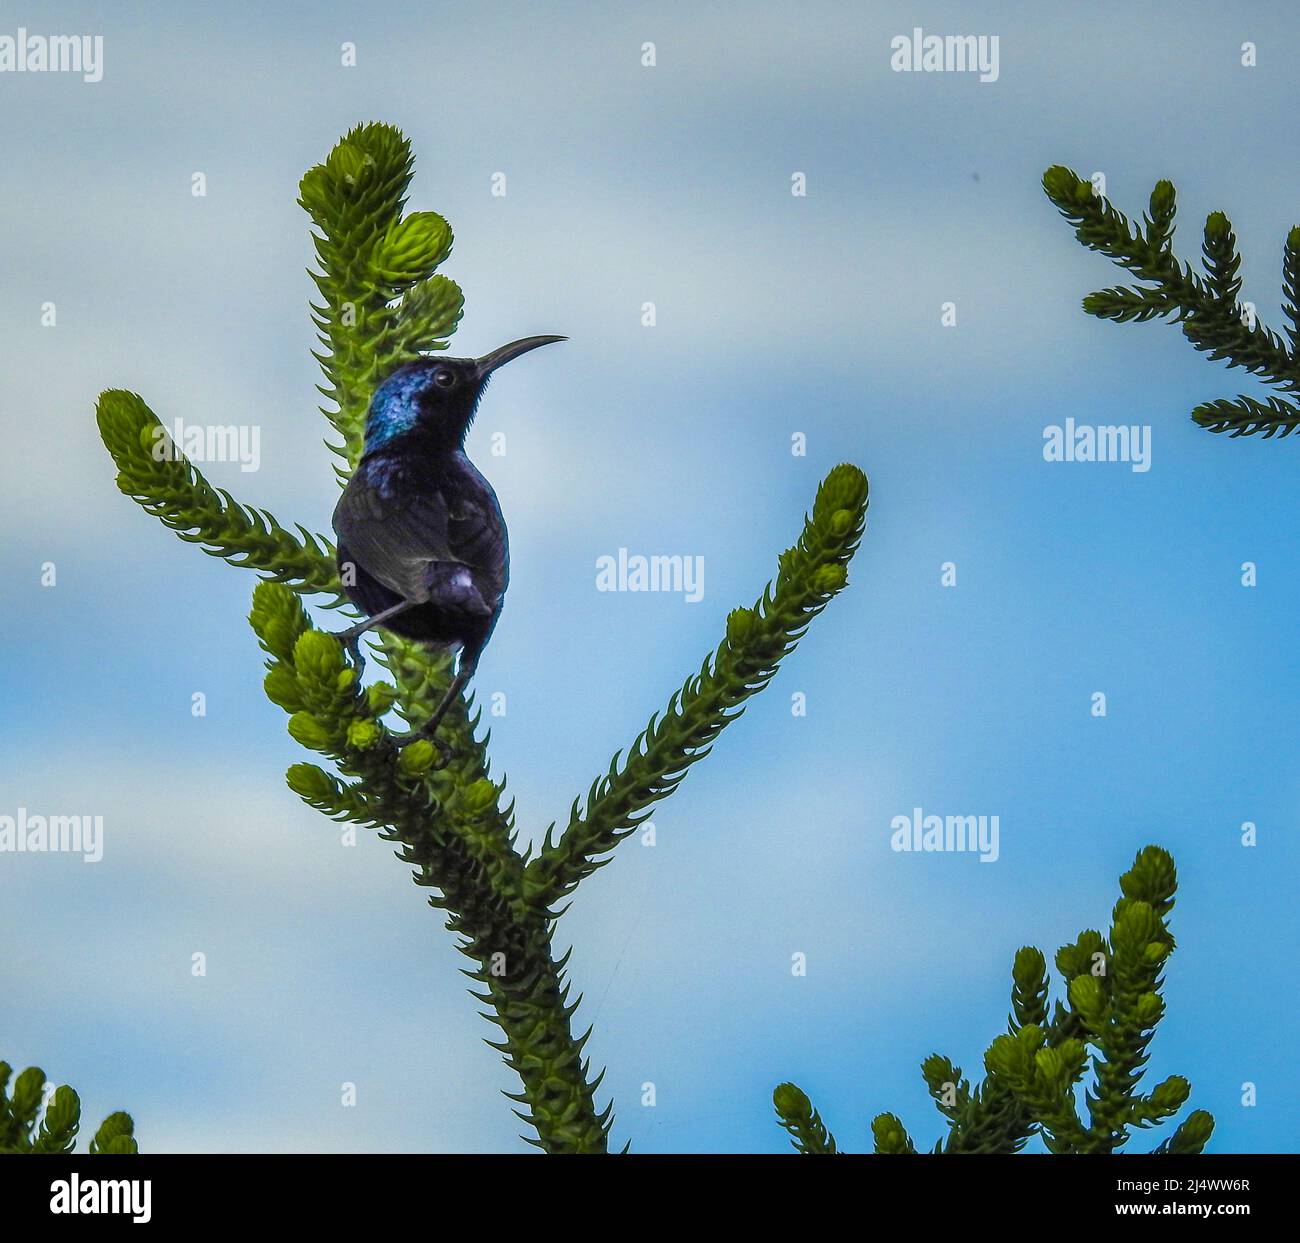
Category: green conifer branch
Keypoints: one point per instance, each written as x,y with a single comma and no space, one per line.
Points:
153,472
890,1137
810,575
57,1131
1205,307
1042,1079
982,1118
457,840
1191,1137
382,304
1105,1025
795,1112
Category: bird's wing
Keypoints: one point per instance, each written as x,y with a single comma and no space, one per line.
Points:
477,535
393,526
397,525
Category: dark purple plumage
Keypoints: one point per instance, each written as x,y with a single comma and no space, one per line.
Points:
422,545
418,525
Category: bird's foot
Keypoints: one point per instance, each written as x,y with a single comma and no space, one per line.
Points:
352,645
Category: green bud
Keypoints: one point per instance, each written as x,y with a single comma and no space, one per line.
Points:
829,579
841,523
1293,238
115,1135
413,247
1153,877
1149,1009
845,487
1029,967
937,1071
479,797
1061,1065
1217,227
362,735
1135,925
1052,1067
1194,1133
310,783
1171,1094
890,1134
307,730
416,758
318,658
380,698
1088,997
1162,199
1006,1056
345,163
63,1112
278,619
1078,959
791,1102
740,625
281,686
1061,184
28,1089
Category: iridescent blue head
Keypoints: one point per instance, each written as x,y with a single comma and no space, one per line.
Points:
435,398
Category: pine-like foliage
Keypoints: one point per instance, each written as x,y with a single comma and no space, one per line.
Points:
23,1128
1206,307
1100,1032
382,304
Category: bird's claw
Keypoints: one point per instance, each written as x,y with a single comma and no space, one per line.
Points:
352,645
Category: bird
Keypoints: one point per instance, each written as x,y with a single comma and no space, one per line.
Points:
423,549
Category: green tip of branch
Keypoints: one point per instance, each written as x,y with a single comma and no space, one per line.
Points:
1217,227
1029,967
891,1137
758,638
845,488
1066,188
1163,199
367,164
791,1102
20,1107
278,619
1029,987
1190,1138
128,429
116,1136
1247,417
1171,1095
1153,879
938,1072
796,1114
155,474
310,783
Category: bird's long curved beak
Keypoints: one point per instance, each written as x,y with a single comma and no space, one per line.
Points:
507,353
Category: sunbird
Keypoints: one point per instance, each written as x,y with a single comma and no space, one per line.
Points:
422,545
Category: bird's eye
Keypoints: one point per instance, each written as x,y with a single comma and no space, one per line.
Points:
444,378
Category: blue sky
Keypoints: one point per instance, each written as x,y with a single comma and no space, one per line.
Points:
776,315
